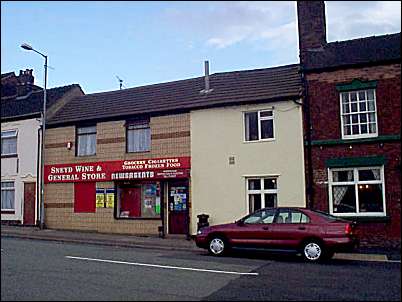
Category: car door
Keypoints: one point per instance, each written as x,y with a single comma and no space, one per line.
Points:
254,229
289,229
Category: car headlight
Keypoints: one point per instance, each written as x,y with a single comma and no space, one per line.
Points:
201,231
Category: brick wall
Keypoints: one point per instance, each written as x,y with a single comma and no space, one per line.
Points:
170,136
325,113
325,104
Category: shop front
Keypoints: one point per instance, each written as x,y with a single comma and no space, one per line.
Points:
144,196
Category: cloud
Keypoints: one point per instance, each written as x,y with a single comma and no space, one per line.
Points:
271,26
354,19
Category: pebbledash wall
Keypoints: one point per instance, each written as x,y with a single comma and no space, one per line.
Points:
170,138
327,144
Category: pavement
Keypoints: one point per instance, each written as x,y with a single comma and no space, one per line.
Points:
167,243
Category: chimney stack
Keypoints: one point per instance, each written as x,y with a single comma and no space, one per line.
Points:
312,26
25,82
206,89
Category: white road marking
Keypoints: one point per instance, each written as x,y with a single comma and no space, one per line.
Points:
163,266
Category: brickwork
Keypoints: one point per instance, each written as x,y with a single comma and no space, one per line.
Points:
170,136
325,113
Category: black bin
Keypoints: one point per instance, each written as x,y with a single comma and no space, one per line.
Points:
202,221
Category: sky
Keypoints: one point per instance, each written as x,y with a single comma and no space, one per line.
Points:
95,43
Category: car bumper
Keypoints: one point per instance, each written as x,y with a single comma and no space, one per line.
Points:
347,244
201,241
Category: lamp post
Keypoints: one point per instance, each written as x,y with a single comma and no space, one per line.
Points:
42,182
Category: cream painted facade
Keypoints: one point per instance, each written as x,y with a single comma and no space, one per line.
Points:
21,168
219,188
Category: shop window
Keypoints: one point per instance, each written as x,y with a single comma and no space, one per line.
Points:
138,136
7,195
262,193
141,200
259,125
86,141
84,197
357,191
8,142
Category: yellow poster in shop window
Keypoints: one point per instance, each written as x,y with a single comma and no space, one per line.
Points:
109,200
100,199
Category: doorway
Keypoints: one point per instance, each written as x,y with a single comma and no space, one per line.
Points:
178,207
29,203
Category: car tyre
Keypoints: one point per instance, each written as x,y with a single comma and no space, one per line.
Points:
313,251
218,246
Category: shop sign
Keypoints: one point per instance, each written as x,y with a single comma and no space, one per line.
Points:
173,167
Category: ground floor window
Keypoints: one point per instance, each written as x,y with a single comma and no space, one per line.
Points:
357,191
139,200
7,195
262,192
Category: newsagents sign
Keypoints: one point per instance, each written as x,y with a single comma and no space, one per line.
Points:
151,168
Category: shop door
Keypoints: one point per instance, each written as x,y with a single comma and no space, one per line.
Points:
29,203
178,208
131,202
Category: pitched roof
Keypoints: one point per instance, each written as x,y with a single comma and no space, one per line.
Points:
7,74
375,49
32,103
228,88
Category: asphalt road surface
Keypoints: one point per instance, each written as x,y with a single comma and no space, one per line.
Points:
41,270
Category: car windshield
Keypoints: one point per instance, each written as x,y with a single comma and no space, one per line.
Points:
327,216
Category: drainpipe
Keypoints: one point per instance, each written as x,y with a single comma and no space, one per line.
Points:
37,177
310,180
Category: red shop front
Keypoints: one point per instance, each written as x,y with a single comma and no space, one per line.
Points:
145,189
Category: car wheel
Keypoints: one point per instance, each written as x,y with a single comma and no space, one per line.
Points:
312,251
217,246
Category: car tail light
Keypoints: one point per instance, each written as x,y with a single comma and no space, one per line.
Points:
348,229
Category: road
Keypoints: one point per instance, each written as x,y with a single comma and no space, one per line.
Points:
43,270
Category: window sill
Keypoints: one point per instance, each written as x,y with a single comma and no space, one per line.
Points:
86,155
9,155
135,152
259,141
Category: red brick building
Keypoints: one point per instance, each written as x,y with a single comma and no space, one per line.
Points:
352,127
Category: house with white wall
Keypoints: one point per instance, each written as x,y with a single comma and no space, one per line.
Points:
21,107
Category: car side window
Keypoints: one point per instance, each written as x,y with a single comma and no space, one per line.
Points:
262,216
291,216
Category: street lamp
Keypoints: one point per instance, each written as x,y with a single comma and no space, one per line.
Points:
42,203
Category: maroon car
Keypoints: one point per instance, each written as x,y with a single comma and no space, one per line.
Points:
316,235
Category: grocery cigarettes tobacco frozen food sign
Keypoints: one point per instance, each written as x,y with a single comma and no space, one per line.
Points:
152,168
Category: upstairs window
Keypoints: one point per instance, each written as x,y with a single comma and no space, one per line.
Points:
9,142
138,136
86,140
259,125
358,114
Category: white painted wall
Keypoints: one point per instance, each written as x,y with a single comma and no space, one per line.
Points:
22,168
219,189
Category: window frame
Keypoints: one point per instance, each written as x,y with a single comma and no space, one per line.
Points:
262,191
15,136
356,183
8,189
146,124
342,114
259,119
81,134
